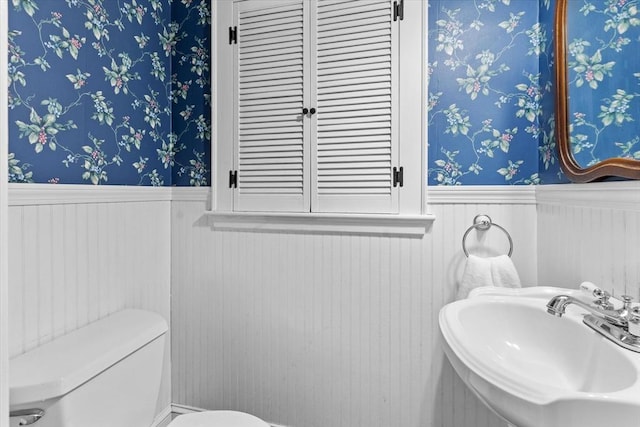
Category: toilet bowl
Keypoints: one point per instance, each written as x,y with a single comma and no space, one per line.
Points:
217,419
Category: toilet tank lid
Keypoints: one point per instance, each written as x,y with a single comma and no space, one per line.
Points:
59,366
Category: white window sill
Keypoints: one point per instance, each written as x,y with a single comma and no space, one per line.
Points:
391,225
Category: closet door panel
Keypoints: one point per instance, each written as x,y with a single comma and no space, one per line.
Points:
270,139
354,86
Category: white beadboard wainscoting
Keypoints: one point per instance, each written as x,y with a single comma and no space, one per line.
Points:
79,253
309,329
590,232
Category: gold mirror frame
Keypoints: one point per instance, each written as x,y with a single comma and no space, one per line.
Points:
613,167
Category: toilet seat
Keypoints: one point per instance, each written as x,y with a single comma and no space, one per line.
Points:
217,419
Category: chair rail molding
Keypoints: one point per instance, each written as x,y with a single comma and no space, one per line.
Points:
481,194
621,195
61,194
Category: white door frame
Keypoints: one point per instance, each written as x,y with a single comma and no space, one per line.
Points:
4,209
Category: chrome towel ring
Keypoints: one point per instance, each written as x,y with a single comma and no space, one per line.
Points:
483,223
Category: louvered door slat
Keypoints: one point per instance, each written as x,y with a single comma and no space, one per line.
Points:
359,64
272,101
266,61
271,86
258,47
285,52
356,117
271,11
347,78
355,147
271,37
281,107
266,122
269,78
258,118
256,170
270,135
331,6
351,33
339,108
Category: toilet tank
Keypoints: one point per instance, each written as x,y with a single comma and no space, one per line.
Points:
106,374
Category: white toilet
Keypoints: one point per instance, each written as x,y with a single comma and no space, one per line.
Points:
105,374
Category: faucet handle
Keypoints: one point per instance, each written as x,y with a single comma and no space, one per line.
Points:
626,300
633,325
602,299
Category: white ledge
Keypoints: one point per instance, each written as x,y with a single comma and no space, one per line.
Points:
391,225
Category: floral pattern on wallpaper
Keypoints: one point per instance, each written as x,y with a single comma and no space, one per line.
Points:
93,89
604,79
485,91
191,91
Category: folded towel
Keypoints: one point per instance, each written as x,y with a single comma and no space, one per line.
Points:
493,271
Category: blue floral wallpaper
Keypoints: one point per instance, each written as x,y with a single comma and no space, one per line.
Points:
490,95
118,91
602,37
110,92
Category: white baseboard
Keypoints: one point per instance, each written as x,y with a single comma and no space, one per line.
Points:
184,409
163,418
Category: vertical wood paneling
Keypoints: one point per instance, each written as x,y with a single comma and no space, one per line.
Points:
310,330
16,308
71,264
596,244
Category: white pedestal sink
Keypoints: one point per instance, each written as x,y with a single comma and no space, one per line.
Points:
537,370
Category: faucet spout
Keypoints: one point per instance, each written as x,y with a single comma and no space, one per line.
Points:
558,305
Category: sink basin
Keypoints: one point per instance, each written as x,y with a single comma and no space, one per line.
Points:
537,370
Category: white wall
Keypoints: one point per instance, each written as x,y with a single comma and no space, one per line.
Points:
303,330
590,232
79,253
309,330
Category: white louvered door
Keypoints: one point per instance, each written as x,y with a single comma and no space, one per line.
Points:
340,58
354,78
271,139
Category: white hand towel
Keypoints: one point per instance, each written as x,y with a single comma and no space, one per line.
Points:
493,271
504,273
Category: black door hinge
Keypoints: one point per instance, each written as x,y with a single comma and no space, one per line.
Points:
233,179
398,176
233,35
398,10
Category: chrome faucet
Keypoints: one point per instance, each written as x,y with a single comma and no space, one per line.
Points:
621,326
558,304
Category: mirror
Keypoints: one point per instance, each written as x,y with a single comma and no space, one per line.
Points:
598,88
